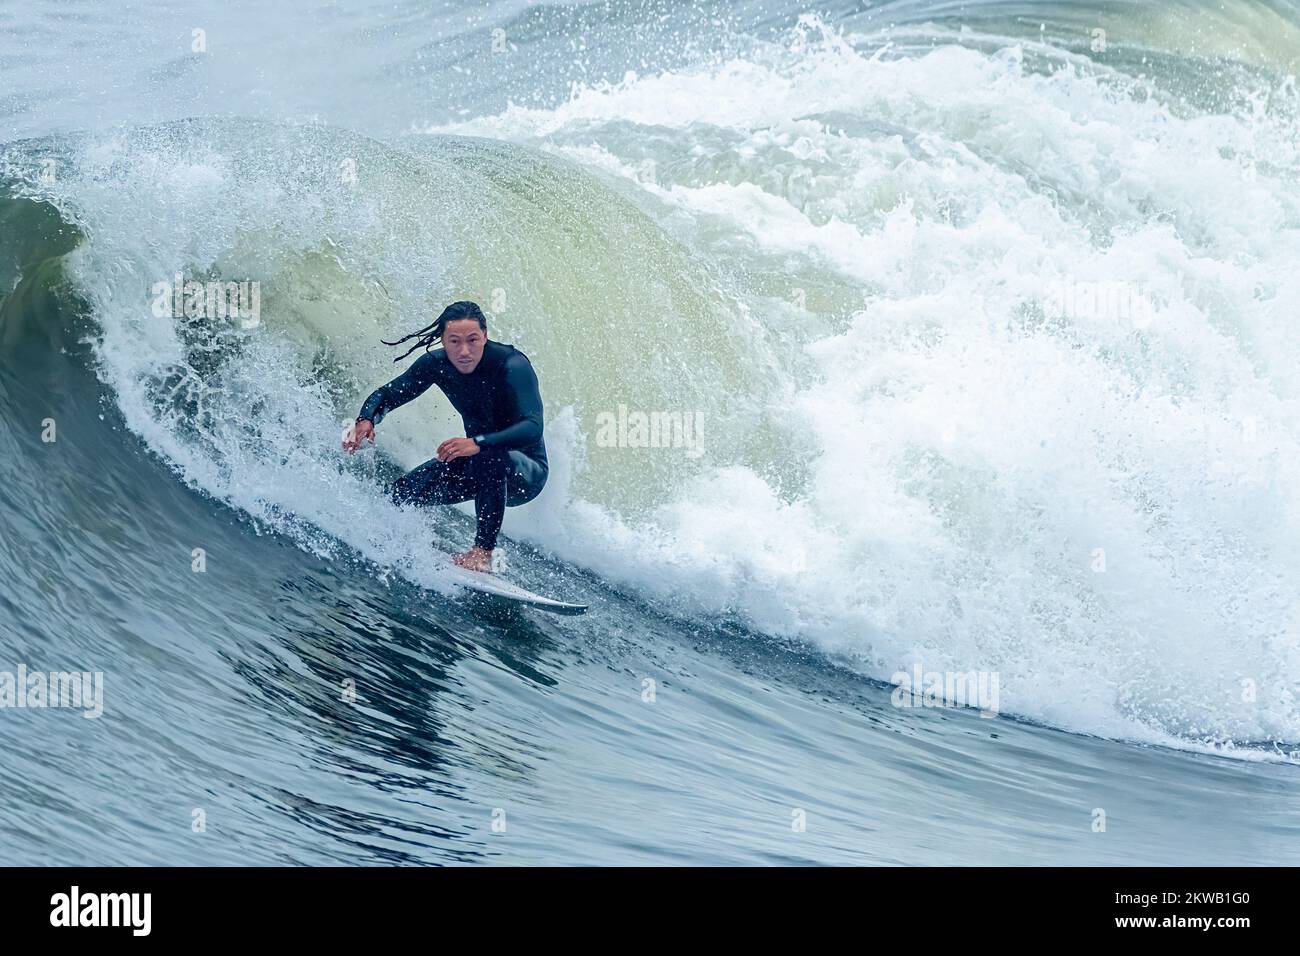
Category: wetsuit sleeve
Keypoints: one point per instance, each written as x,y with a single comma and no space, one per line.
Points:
409,385
521,384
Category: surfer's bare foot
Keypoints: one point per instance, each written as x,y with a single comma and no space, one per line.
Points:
475,559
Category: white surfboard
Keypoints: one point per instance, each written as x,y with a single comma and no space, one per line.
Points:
482,582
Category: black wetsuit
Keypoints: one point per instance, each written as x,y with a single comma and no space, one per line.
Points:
501,407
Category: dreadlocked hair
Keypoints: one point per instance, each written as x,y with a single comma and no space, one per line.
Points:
430,334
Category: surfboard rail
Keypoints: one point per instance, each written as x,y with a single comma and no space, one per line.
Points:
481,582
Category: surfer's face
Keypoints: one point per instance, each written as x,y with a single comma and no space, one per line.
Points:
464,342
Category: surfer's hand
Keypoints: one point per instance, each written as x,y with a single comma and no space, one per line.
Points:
457,448
358,433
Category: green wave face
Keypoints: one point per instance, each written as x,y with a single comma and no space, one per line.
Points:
352,241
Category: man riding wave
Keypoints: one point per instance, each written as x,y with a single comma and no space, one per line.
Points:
502,460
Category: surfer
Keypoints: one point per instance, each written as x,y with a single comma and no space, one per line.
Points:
502,460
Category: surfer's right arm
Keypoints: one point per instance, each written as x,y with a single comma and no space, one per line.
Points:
409,385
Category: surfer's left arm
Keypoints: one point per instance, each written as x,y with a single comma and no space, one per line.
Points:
521,382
